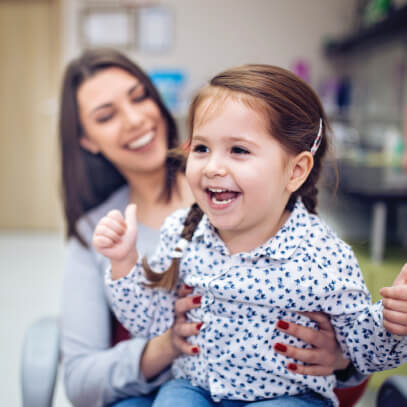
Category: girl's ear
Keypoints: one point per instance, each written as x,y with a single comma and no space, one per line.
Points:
87,144
301,165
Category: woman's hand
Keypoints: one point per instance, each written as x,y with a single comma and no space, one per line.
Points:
162,350
323,358
395,304
181,328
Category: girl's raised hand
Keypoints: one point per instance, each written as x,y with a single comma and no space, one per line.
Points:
395,304
115,238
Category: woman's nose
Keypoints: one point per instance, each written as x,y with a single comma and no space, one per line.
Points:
133,118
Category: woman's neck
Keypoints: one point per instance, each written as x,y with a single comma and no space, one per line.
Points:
146,188
145,192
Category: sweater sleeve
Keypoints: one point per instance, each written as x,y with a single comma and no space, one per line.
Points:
95,374
141,309
359,324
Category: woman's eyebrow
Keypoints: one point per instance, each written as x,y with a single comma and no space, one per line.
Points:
133,88
100,107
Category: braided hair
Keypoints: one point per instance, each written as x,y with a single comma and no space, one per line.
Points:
169,278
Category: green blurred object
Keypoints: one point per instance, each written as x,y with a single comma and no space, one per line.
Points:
376,277
376,10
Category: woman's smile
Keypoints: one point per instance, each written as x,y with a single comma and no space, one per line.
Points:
142,143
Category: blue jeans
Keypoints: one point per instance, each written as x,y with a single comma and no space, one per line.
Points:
180,393
139,401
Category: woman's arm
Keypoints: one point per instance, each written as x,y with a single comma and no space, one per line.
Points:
95,374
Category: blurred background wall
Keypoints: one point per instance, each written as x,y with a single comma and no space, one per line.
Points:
37,38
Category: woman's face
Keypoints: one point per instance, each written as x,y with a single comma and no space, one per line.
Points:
122,122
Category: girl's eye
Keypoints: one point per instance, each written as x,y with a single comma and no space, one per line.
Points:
240,150
200,148
139,95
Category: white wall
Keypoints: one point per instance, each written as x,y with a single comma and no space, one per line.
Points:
211,35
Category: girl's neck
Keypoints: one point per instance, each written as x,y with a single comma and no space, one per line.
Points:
245,242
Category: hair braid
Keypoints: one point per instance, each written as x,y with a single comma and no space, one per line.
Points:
169,278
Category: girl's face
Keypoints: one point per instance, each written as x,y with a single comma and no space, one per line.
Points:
239,174
122,122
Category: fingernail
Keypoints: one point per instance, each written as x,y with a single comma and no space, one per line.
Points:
199,325
196,300
188,287
195,349
283,324
292,366
280,347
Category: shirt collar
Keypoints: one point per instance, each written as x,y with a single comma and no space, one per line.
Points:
279,247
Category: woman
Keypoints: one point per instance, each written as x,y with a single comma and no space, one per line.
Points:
115,132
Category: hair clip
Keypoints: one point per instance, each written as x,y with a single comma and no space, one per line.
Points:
179,248
318,139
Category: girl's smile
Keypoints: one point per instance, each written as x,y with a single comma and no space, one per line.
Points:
220,198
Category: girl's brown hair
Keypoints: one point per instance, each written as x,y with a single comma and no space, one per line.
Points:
88,179
292,112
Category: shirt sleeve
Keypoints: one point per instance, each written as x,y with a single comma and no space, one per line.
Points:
95,374
349,377
359,325
141,309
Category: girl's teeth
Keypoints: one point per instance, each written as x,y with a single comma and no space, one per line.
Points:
215,201
142,141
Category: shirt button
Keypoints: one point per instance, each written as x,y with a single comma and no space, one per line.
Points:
210,299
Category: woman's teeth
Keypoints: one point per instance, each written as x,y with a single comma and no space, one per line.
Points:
141,142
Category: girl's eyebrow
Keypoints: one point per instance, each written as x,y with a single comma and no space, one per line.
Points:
232,139
109,104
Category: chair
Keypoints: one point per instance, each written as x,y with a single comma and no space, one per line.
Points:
41,356
393,392
39,363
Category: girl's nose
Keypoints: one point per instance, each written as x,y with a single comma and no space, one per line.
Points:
214,168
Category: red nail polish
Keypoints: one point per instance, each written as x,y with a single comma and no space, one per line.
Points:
292,366
195,349
197,300
280,347
188,287
283,324
199,325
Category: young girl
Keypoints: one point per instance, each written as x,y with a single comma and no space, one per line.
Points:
253,248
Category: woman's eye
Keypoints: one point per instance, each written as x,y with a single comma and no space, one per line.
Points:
240,150
139,95
200,148
104,119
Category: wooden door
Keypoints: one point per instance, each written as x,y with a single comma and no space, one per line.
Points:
29,81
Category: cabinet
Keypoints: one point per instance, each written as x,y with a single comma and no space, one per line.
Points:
394,26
